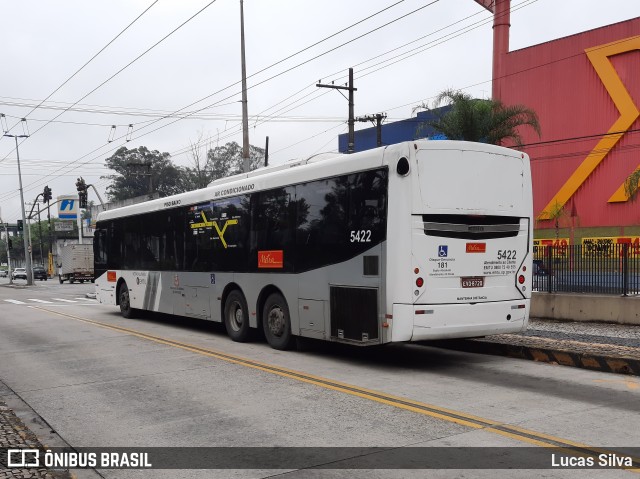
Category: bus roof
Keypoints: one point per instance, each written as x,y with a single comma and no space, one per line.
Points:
292,172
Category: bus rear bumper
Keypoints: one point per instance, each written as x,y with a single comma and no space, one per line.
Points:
448,321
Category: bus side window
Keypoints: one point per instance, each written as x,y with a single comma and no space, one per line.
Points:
367,205
321,224
272,225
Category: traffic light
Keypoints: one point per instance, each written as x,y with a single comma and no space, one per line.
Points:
46,194
19,225
81,186
82,199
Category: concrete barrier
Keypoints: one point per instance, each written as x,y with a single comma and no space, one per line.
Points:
582,307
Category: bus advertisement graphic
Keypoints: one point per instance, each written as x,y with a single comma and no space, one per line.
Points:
270,259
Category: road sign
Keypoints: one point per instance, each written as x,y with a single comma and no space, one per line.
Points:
58,226
68,207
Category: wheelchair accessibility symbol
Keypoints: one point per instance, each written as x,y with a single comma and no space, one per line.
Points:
443,251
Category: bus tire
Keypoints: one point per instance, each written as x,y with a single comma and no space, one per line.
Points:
236,317
125,302
276,322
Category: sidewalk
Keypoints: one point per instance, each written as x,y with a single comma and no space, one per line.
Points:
598,346
14,434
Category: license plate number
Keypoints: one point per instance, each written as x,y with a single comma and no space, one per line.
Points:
473,282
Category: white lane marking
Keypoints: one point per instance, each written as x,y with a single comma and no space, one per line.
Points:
39,300
85,299
14,301
65,300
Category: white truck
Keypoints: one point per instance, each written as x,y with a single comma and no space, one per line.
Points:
75,263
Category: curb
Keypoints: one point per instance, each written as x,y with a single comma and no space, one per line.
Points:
608,364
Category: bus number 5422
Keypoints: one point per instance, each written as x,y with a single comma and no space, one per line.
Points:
361,236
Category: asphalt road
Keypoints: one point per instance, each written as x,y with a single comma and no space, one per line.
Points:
100,380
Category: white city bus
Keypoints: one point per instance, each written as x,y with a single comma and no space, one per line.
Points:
415,241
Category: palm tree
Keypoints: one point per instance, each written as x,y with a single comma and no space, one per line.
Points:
631,185
485,121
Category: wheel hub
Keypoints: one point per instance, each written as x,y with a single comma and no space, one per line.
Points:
236,317
275,321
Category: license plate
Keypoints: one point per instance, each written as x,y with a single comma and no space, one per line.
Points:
472,282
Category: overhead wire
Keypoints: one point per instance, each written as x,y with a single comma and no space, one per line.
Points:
476,84
343,44
440,40
127,65
80,69
253,86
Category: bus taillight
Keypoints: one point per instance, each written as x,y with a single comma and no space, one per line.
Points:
419,282
521,279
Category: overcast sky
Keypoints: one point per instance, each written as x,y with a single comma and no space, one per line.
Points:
447,44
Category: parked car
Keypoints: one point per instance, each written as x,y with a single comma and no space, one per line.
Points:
40,273
3,273
19,273
539,269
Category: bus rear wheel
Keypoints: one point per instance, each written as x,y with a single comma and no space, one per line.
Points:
125,302
276,322
236,317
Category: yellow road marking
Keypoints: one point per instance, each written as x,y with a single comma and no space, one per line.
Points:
449,415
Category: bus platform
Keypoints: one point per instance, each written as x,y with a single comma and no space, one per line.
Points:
605,347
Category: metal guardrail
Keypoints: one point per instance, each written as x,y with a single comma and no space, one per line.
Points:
596,269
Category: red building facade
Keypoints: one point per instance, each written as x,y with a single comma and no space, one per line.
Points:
585,89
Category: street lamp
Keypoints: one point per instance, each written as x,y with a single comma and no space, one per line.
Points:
27,242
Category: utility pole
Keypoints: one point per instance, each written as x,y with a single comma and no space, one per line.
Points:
26,241
6,237
245,115
266,153
6,234
377,121
28,228
146,164
351,89
35,202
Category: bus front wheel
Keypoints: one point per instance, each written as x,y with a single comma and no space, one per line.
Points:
277,322
125,302
236,317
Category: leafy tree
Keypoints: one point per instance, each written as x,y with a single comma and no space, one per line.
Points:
221,161
198,175
133,168
485,121
226,160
